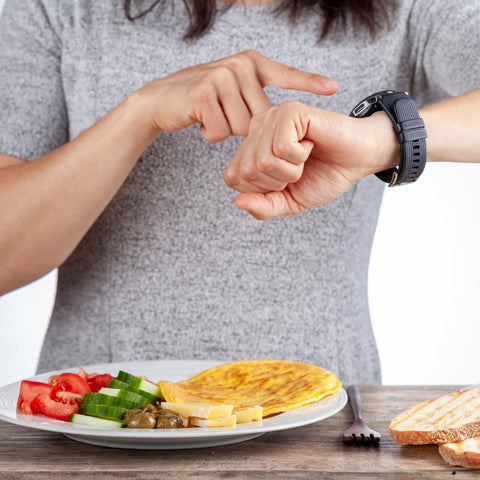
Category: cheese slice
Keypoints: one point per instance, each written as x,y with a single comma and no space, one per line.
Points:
199,410
252,414
227,421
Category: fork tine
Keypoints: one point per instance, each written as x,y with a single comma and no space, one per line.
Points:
359,433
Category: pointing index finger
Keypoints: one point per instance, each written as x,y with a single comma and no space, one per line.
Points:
284,76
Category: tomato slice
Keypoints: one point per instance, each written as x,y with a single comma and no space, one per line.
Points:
71,382
60,387
28,391
98,381
95,387
34,405
61,396
67,397
54,409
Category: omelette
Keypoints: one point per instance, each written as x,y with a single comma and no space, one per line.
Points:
276,385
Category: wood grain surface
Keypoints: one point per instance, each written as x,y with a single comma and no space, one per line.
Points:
312,452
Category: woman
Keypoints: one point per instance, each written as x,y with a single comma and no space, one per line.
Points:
128,197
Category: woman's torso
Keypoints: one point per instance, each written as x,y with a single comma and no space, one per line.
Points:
171,269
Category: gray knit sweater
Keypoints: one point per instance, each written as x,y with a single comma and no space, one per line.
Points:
172,269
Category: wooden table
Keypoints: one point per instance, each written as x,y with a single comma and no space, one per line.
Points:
312,452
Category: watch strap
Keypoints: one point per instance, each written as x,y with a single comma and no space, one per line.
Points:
409,129
411,135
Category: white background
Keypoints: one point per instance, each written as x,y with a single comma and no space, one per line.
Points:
424,286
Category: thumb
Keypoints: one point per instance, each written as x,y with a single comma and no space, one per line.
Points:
307,146
268,205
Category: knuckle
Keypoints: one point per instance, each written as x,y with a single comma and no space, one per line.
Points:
296,175
202,93
288,71
247,172
265,163
240,126
290,105
271,113
256,122
209,136
221,73
229,177
240,63
251,54
225,131
241,130
214,136
218,137
281,149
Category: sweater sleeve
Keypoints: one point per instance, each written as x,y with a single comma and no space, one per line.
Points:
33,117
445,41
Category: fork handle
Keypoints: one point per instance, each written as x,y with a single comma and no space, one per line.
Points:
355,401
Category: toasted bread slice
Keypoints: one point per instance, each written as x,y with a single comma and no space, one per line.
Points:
450,418
463,454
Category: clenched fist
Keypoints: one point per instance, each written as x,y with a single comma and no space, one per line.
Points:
296,157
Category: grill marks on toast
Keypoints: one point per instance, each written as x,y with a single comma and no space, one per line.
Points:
449,410
449,418
409,417
418,414
472,414
451,413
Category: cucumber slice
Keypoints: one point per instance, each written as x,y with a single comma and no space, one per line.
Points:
125,386
129,396
80,419
103,411
139,383
91,398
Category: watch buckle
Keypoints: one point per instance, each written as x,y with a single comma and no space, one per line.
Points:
393,181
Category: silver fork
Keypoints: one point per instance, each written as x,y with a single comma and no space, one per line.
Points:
358,432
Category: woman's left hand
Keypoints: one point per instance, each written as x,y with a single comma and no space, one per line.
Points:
296,157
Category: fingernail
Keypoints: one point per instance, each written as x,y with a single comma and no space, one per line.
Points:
330,83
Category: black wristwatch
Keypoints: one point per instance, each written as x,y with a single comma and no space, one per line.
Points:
410,130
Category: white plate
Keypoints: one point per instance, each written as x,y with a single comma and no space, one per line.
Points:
164,438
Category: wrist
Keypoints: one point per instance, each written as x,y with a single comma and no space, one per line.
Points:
386,152
138,110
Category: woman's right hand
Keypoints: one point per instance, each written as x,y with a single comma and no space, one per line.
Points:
223,95
86,172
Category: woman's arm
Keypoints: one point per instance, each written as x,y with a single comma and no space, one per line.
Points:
47,205
453,128
296,156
